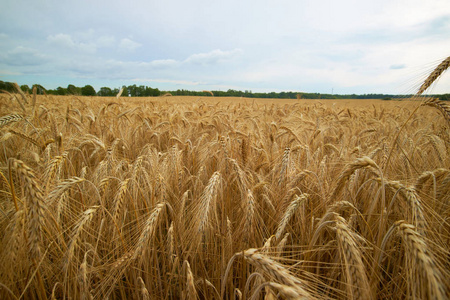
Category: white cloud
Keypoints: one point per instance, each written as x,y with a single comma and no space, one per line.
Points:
409,13
23,56
164,63
212,57
66,41
106,41
177,82
128,45
61,39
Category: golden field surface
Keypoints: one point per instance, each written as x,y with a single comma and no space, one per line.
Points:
223,198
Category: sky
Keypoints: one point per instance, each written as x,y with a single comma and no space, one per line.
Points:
323,46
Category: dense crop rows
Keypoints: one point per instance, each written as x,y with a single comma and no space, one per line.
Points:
164,199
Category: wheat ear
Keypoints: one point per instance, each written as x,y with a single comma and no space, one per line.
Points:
5,120
358,286
349,170
27,138
74,239
434,75
250,211
144,291
207,201
289,213
35,206
149,229
443,107
286,291
190,293
427,281
275,270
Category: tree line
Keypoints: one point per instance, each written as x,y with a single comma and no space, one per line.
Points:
145,91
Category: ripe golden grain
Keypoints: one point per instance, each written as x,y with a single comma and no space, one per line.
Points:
125,193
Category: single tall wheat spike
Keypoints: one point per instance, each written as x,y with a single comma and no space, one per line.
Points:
434,75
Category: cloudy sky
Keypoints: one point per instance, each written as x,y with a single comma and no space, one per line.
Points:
345,46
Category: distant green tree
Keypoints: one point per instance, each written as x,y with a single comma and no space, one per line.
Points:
125,92
105,92
88,90
133,90
141,91
155,92
40,90
73,90
7,86
444,97
61,91
25,88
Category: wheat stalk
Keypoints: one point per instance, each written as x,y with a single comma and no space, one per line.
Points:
22,94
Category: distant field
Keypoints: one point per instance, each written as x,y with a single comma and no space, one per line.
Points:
223,198
242,100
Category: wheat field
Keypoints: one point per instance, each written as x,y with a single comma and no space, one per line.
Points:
209,198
